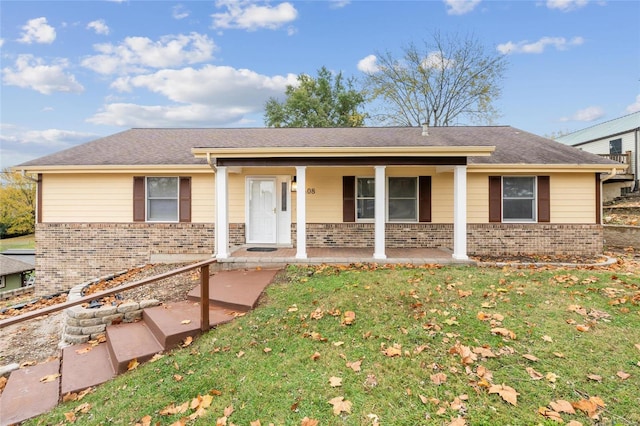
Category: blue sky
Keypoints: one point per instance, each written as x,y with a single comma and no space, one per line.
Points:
73,71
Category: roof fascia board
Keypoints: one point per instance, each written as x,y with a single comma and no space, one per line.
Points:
101,169
537,168
606,137
402,151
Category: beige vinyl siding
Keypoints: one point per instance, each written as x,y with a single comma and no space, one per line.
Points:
108,198
478,197
87,198
573,198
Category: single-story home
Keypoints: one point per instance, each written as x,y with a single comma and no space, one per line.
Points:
14,273
619,140
146,194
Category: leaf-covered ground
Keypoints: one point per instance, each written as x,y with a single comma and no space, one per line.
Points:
400,346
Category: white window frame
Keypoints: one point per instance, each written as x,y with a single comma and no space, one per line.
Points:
415,198
148,199
359,219
534,201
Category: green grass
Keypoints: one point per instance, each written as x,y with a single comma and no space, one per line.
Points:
262,364
23,242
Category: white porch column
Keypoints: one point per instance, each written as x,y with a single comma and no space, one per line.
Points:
380,213
301,212
460,213
222,213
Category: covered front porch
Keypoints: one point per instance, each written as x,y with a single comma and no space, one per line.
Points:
266,256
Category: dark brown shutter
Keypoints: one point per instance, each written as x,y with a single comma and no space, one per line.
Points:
39,199
348,198
424,198
185,199
544,199
495,199
598,200
138,199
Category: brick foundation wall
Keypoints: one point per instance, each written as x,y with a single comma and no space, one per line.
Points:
72,253
535,238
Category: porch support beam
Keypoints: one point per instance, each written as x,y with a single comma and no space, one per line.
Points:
380,212
460,213
222,213
301,212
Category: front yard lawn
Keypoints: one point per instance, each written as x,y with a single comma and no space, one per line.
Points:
366,345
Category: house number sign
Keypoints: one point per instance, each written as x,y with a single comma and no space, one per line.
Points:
311,191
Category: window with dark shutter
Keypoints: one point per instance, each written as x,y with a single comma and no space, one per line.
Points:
424,198
139,202
348,199
495,199
544,199
185,199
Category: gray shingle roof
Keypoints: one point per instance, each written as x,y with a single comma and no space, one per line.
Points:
173,146
10,266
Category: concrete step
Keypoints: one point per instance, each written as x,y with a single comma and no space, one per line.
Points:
25,396
84,366
129,341
174,322
236,290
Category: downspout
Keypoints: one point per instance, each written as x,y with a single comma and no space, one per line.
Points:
610,175
635,161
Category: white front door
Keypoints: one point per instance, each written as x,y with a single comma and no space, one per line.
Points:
262,225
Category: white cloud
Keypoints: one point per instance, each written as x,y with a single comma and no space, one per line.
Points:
38,31
634,107
460,7
138,54
566,5
180,12
591,113
368,64
99,26
31,72
338,4
208,96
249,16
436,60
1,42
19,145
560,43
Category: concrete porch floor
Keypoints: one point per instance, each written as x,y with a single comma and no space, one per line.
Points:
339,255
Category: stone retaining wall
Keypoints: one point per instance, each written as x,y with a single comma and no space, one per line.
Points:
84,324
622,236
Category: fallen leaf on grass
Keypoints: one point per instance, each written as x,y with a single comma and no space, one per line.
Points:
559,354
348,318
439,378
594,377
589,406
172,409
460,421
637,345
574,423
187,341
531,357
335,381
146,420
156,357
70,417
562,406
582,328
504,332
315,356
177,377
534,374
266,350
393,351
340,405
547,339
308,422
551,377
550,414
355,365
133,364
50,378
623,375
507,393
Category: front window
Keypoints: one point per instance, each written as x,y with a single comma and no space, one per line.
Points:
519,199
365,198
403,199
162,199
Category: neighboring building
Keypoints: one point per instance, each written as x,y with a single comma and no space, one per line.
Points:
14,274
618,140
145,195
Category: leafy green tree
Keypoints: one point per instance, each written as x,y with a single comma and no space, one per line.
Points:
451,79
17,204
323,101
